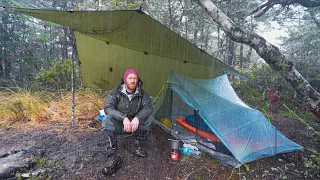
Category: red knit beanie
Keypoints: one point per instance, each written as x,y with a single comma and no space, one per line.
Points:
129,71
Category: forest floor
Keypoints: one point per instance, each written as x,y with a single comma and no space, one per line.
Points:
57,151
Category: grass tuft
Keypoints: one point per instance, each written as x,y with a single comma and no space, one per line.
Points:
21,106
87,104
41,107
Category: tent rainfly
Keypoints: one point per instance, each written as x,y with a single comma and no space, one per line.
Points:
109,42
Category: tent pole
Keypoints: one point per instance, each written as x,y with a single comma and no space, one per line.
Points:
171,106
72,91
196,119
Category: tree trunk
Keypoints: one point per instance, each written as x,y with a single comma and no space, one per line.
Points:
186,29
270,53
7,66
219,49
202,41
6,36
2,69
65,43
51,39
241,56
1,61
230,52
249,55
45,44
170,15
206,41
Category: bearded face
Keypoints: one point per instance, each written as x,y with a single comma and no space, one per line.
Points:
131,82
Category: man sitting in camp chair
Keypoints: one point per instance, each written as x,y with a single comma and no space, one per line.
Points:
128,109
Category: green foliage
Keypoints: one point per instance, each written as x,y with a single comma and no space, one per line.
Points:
311,72
313,151
252,91
286,114
303,44
108,5
47,164
42,162
56,77
16,4
6,83
310,164
247,167
284,67
4,124
255,92
57,161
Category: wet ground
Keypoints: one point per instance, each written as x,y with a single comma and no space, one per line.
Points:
57,151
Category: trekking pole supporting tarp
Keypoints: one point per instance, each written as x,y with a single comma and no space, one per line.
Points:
72,91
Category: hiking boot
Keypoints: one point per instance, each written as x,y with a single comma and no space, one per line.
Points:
113,164
107,140
136,149
136,145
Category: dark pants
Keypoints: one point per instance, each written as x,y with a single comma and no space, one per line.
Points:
109,123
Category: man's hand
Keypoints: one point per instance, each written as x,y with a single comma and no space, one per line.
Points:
134,124
126,125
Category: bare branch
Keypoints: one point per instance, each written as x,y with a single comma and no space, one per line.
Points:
269,6
313,17
261,10
305,3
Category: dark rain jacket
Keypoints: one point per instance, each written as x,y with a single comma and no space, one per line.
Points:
118,105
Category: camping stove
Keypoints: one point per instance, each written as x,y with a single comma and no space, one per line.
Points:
174,145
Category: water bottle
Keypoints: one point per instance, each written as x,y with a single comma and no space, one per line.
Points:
190,152
190,146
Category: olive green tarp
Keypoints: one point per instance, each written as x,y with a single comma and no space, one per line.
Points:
109,42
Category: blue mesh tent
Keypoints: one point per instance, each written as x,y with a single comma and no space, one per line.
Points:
244,133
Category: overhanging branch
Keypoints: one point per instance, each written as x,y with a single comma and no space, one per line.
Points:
261,10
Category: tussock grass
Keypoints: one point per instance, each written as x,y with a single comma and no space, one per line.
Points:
87,104
22,105
44,107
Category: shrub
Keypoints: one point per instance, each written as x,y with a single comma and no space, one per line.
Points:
58,76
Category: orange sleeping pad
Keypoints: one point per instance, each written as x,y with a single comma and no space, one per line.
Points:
182,121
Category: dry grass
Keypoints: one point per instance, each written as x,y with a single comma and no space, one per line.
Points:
22,106
45,107
87,104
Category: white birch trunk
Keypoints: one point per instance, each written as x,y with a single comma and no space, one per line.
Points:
270,53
